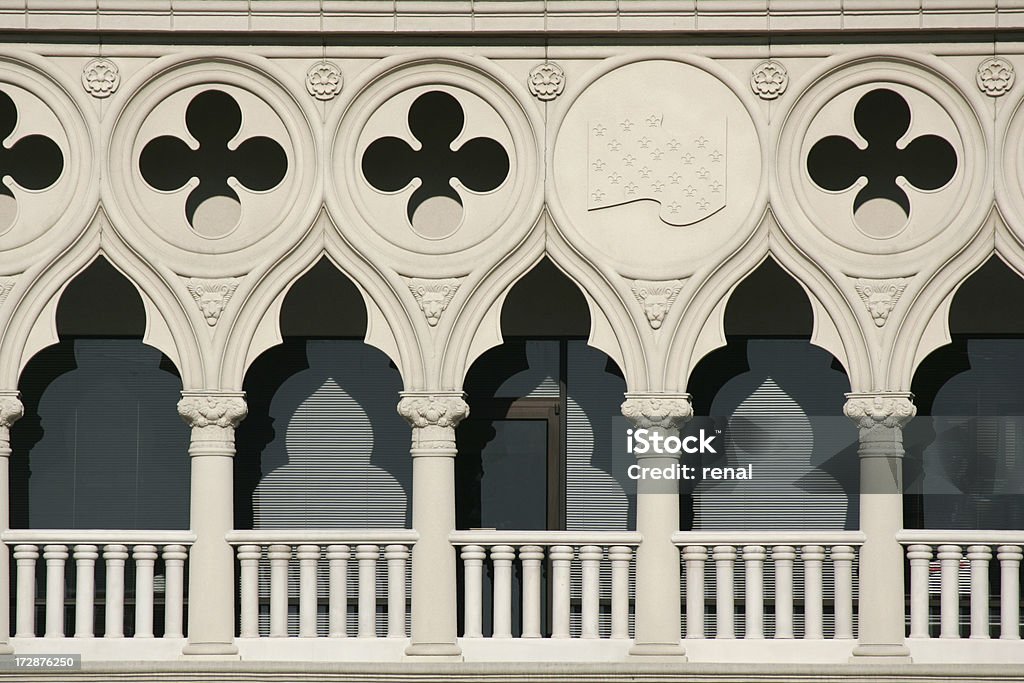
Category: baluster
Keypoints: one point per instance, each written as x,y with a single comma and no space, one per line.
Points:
1009,601
145,558
25,556
725,558
561,559
949,557
695,556
114,555
279,556
473,566
55,557
620,556
813,556
501,557
979,555
531,556
590,559
174,589
396,555
367,556
85,589
337,607
782,557
842,568
753,561
249,602
308,556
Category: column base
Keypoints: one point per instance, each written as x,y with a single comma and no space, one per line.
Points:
869,653
225,650
6,649
675,651
448,652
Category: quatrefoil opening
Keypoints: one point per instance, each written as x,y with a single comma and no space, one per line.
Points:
213,208
34,162
881,207
435,208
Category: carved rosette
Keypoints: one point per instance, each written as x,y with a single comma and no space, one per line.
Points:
546,81
100,78
434,417
212,296
873,411
223,410
433,296
324,81
11,410
656,298
880,297
995,76
664,411
769,80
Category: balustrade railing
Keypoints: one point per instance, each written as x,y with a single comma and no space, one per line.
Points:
309,572
595,566
964,563
116,555
781,569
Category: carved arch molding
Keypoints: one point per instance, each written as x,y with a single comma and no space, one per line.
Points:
660,177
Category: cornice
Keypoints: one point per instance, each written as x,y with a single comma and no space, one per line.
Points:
507,16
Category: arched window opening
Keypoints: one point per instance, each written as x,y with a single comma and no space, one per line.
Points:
323,446
965,449
101,445
537,451
778,402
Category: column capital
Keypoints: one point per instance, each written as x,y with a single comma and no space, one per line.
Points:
433,408
880,409
667,411
11,410
223,409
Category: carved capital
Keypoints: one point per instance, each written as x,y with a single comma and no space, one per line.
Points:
666,411
11,410
433,410
212,409
889,410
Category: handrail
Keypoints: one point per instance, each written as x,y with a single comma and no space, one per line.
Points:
812,537
481,537
97,536
320,536
959,537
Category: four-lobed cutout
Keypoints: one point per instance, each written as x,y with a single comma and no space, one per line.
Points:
881,208
34,162
213,208
435,208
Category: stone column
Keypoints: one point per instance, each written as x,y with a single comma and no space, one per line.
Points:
657,518
213,416
11,410
433,416
880,418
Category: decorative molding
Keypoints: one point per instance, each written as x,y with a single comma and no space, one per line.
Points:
212,409
546,81
211,296
995,76
100,77
666,411
324,81
433,410
889,410
769,80
6,285
433,296
656,298
880,297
